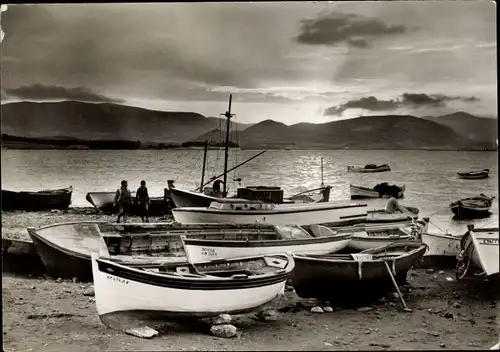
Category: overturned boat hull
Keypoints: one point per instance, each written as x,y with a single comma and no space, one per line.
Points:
103,202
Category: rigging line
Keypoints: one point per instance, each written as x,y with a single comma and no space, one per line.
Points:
445,232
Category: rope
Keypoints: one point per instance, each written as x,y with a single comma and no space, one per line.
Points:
445,232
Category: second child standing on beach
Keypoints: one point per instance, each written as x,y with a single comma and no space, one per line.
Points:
142,198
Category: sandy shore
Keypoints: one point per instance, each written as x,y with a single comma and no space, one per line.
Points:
44,314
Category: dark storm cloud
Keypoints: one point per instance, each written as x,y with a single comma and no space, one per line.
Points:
412,100
41,92
336,28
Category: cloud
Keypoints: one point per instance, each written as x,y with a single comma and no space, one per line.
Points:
412,100
337,28
41,92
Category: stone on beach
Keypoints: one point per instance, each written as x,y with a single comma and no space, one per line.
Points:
224,330
144,332
317,309
221,319
328,309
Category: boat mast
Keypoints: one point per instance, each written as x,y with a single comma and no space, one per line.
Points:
228,116
322,184
204,163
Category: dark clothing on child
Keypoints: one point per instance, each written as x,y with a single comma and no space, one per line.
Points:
123,198
142,198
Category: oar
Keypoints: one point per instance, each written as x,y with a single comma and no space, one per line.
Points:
405,308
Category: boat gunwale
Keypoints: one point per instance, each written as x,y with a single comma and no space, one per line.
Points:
266,243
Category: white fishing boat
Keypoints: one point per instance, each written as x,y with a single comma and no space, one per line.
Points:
286,239
479,255
379,191
201,290
243,211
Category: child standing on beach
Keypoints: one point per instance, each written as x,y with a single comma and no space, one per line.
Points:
123,198
142,198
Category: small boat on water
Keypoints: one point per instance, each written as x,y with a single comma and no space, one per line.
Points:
243,211
369,168
283,240
381,190
360,274
65,248
443,250
472,207
194,290
479,254
474,175
37,201
103,202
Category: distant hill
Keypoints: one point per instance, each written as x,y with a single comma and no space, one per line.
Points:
89,121
86,125
367,132
478,129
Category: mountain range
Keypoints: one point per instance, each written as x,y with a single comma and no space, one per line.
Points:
105,121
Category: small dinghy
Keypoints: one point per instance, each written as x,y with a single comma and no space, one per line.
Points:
381,190
284,239
472,207
479,255
362,274
37,201
377,237
474,175
185,290
369,168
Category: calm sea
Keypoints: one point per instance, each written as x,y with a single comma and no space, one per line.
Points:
429,176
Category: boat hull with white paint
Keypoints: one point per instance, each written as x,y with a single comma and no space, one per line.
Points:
247,212
296,242
481,246
182,292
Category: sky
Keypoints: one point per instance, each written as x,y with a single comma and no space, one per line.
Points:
286,61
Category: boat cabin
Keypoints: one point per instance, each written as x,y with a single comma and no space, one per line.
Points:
240,204
263,193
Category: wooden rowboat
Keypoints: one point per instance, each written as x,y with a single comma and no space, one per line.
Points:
379,191
369,168
66,248
365,273
37,201
474,175
282,240
200,290
381,216
479,255
472,207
